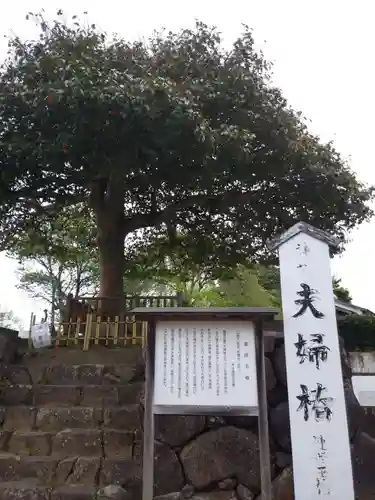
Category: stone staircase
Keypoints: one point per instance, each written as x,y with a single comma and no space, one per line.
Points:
70,424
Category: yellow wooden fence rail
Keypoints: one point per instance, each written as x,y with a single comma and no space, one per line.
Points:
95,330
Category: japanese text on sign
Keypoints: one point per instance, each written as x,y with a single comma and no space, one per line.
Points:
209,365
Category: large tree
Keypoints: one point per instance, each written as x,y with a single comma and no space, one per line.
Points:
176,134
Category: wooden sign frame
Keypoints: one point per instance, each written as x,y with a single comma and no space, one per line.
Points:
256,316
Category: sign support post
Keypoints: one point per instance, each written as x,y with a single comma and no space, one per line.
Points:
264,449
318,420
148,422
205,362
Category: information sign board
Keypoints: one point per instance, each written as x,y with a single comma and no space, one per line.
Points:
205,366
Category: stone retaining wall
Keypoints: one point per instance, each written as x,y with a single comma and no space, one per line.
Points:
208,458
219,457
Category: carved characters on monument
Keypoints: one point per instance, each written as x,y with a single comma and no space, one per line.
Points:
315,401
308,297
321,451
321,467
313,351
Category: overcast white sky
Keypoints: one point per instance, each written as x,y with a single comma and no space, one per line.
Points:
323,55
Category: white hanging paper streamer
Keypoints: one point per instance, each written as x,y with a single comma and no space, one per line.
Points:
41,335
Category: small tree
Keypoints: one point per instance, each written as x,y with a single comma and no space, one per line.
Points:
58,259
202,281
8,319
341,292
48,280
164,268
245,290
174,135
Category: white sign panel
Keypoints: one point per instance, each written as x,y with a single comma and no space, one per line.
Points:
205,365
362,362
320,443
364,389
41,335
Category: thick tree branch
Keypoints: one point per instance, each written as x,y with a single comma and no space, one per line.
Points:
165,216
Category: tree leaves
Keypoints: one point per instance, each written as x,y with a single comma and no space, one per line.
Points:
58,258
340,291
9,320
190,133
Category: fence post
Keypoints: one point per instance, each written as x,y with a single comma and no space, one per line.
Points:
181,302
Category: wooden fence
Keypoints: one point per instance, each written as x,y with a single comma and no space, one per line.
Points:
129,302
84,325
78,307
94,330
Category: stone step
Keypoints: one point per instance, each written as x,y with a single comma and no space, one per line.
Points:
75,355
106,442
56,418
79,374
74,493
70,395
53,471
27,490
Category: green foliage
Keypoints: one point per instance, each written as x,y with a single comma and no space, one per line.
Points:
202,282
67,237
177,133
358,332
239,288
162,269
8,319
167,269
341,292
269,279
58,259
244,290
46,279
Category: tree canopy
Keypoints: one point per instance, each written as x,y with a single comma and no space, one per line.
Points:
176,135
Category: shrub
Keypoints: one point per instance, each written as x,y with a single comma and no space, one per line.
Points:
358,332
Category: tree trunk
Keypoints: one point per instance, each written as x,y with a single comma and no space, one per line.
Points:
77,283
53,305
111,254
107,200
111,258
